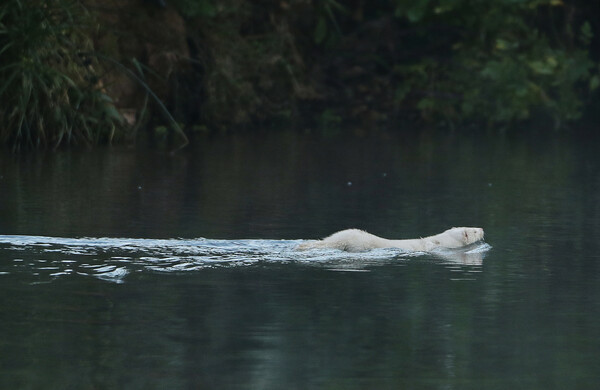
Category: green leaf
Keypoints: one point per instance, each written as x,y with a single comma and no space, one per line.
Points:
104,97
586,33
6,47
541,67
161,130
594,82
501,44
401,92
321,30
426,104
206,9
113,113
417,12
138,66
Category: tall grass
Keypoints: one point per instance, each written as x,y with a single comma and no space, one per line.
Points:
49,91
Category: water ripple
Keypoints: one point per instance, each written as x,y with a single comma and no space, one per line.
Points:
112,259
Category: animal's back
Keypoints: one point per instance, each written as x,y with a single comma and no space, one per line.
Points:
355,240
350,240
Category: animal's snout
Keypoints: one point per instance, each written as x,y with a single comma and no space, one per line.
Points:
480,233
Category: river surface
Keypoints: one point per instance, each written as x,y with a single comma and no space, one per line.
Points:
136,268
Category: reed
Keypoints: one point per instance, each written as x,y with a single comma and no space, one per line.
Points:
50,92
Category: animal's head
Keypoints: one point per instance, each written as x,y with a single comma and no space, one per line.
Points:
466,235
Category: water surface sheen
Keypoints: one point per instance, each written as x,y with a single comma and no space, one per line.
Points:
105,285
46,258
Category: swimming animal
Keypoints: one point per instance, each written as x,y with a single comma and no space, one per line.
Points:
355,240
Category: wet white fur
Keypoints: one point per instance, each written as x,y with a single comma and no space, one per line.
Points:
354,240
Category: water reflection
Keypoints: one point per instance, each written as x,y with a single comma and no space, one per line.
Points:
113,313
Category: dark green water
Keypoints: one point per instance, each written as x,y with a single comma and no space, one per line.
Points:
106,283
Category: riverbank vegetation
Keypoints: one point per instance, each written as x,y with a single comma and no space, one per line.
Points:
87,71
47,92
